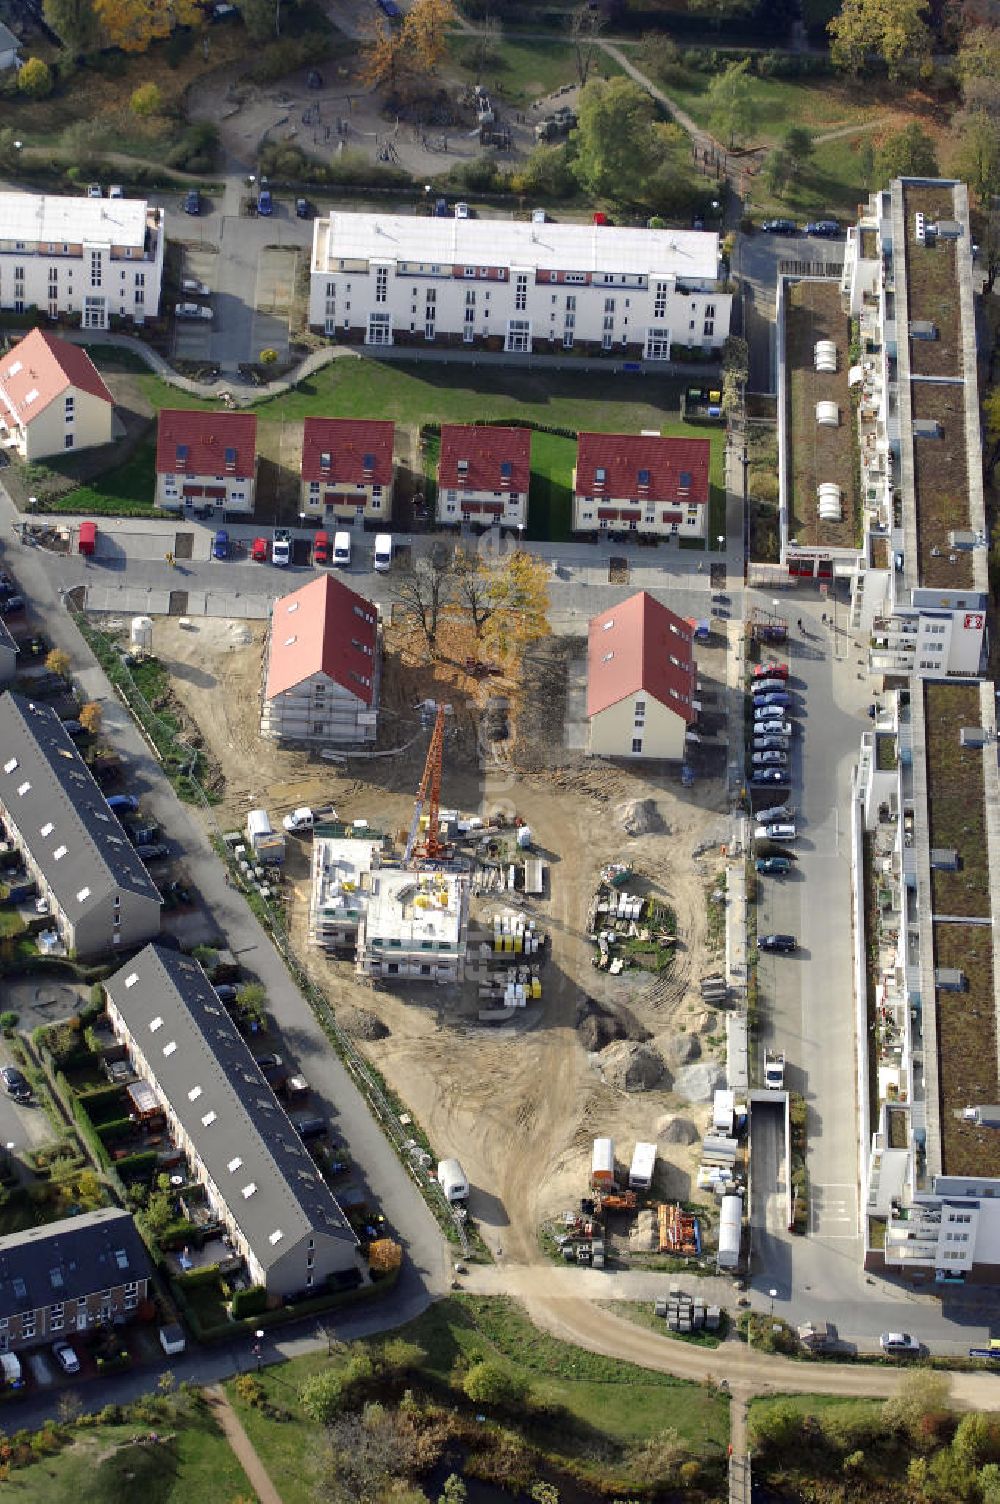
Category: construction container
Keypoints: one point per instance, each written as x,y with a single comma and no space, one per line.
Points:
602,1171
452,1180
730,1231
640,1175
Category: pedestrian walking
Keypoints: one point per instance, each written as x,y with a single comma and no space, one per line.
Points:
800,624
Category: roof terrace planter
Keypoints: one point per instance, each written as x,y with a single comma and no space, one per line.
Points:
967,1052
956,800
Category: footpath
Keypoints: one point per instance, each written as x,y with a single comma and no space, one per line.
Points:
242,1447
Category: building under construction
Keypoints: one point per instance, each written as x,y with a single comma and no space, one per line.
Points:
415,926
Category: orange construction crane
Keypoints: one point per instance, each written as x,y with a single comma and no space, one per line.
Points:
431,846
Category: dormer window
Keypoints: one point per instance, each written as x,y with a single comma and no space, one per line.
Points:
183,453
463,467
506,470
230,458
643,480
600,477
368,464
684,483
325,460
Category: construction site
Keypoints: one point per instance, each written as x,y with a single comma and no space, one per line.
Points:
481,854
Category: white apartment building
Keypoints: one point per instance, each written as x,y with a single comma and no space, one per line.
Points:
98,258
516,287
415,926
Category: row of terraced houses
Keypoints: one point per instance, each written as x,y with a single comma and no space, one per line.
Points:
882,486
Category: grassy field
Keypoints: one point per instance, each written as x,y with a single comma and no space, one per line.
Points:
813,1404
102,1465
521,72
642,1313
550,513
821,103
613,1402
126,490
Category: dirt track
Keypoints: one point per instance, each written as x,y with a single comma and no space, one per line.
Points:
519,1107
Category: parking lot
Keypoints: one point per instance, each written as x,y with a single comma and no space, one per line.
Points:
192,337
807,1007
273,298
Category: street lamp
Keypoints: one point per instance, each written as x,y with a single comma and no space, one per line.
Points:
258,1351
520,535
721,540
774,1295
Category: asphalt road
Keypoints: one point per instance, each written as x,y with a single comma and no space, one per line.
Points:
388,1182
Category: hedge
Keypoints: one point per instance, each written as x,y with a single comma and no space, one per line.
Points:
248,1302
80,1117
433,430
116,1130
208,1275
137,1166
96,1096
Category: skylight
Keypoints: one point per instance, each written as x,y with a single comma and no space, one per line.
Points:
168,1049
23,788
83,894
10,765
20,1288
208,1119
31,397
324,461
121,1258
194,1093
59,853
293,606
644,477
275,1237
234,1164
249,1190
369,462
230,456
131,980
47,828
154,1023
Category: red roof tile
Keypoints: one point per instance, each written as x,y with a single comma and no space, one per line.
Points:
324,628
677,469
640,645
47,366
485,450
206,436
348,441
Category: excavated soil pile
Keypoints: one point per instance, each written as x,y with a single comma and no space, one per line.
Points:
628,1066
361,1023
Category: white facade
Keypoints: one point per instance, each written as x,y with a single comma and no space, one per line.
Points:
97,258
415,927
341,883
509,286
487,508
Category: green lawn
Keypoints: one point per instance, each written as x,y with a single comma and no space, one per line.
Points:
522,71
125,490
613,1401
813,1404
103,1467
642,1313
821,104
550,509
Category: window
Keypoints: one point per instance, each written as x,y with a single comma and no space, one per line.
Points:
470,298
710,310
576,277
69,405
660,300
568,340
518,335
657,344
521,292
571,302
609,305
68,441
609,322
637,744
570,321
709,329
381,283
96,269
429,329
379,329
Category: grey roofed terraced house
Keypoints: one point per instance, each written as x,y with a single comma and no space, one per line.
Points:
100,895
64,1277
242,1145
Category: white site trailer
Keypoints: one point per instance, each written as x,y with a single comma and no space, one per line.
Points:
730,1231
640,1175
452,1180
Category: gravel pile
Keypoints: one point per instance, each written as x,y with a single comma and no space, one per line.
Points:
639,817
681,1049
677,1131
633,1067
696,1083
362,1023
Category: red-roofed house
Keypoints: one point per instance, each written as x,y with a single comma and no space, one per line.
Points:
484,474
322,667
347,469
206,459
640,483
52,398
640,680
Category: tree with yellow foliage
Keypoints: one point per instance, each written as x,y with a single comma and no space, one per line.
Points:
133,24
57,662
91,716
519,600
416,48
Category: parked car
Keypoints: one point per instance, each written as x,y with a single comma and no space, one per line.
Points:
65,1357
153,853
220,544
12,605
777,832
299,820
770,758
780,226
773,727
773,697
461,210
769,775
768,713
824,229
382,558
321,548
192,285
771,671
281,547
258,551
94,190
15,1083
225,992
269,1061
265,204
342,549
123,803
441,208
303,209
192,201
770,744
116,191
899,1344
192,311
784,943
769,686
773,866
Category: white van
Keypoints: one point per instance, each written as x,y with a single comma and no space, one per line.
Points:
342,549
775,832
383,553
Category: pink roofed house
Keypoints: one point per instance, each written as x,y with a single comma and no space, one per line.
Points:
52,398
347,470
322,667
641,681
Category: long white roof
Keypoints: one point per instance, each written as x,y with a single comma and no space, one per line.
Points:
51,218
507,242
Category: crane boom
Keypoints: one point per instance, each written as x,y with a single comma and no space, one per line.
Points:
430,783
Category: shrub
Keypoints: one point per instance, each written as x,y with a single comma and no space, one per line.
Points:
146,100
249,1302
8,1022
321,1396
489,1383
35,79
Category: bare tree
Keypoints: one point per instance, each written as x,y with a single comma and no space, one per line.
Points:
488,44
585,26
424,590
475,588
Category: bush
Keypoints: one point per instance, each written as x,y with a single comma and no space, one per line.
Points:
249,1302
208,1275
138,1166
35,79
146,100
287,56
321,1396
489,1383
196,149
